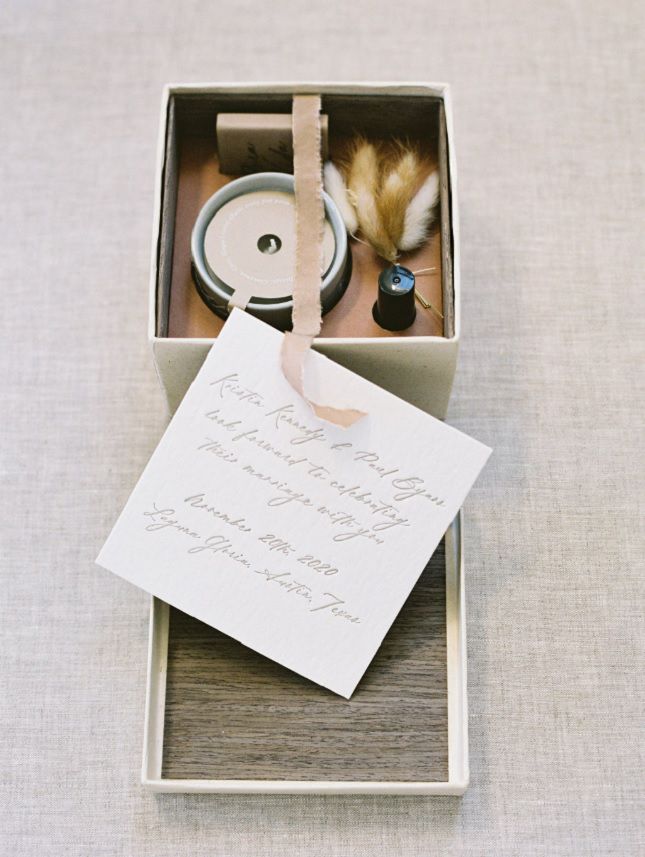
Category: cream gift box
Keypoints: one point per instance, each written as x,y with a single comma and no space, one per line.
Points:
418,364
211,704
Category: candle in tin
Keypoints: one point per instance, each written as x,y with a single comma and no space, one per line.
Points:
244,248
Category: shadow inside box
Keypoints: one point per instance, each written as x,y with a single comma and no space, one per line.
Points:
234,714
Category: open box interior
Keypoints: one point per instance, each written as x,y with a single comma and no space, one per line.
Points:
223,718
191,175
232,714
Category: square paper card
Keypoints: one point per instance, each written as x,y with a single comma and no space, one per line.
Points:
298,538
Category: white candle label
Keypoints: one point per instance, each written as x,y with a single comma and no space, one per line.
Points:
300,539
250,244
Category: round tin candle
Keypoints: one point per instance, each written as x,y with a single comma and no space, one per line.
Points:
243,249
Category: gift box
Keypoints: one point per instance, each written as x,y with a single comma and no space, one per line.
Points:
417,364
221,718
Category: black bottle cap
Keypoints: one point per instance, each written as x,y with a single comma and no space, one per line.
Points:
395,308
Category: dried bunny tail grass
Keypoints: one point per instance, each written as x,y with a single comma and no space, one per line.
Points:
363,176
400,185
419,214
337,190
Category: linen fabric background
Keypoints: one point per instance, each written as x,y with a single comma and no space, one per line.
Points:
550,121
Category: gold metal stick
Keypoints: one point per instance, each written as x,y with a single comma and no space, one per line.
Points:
426,304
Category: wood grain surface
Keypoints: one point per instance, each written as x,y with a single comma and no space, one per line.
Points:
233,714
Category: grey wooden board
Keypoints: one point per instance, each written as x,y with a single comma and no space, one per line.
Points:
233,714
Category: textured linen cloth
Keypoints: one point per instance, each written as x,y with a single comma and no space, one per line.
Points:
550,121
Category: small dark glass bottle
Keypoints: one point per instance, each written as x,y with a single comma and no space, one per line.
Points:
395,308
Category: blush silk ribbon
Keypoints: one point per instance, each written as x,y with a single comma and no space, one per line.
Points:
310,221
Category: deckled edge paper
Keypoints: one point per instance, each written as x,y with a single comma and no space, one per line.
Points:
310,218
338,498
